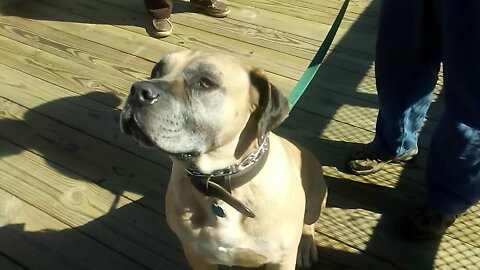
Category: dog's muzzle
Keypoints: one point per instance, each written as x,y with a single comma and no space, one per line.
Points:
144,93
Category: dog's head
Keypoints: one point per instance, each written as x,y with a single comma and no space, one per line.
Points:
195,103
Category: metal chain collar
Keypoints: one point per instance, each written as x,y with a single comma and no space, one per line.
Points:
245,164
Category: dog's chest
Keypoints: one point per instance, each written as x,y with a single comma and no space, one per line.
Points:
230,240
230,245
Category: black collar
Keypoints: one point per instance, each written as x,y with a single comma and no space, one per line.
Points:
219,184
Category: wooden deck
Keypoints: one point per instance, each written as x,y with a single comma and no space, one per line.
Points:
76,194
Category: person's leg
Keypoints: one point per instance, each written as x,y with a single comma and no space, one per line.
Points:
453,165
453,168
407,64
160,10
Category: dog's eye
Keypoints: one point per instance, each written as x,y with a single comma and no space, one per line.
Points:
205,83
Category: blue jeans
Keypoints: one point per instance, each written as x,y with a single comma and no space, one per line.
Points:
414,37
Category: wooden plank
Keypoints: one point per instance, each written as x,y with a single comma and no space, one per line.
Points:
234,29
278,63
467,227
366,8
315,13
62,72
313,30
96,34
359,87
71,25
376,235
87,53
206,24
333,58
285,10
374,216
322,127
121,40
337,255
71,151
334,154
371,231
39,241
79,112
353,111
183,17
246,29
131,230
73,115
247,32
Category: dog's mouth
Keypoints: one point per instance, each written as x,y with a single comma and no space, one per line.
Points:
130,126
185,156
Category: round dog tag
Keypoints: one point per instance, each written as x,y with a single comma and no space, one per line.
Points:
217,210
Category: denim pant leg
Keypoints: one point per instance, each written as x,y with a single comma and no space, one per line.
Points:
453,166
407,64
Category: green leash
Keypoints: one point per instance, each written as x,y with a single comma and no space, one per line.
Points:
312,69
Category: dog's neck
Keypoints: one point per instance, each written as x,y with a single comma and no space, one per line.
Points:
245,164
224,156
219,183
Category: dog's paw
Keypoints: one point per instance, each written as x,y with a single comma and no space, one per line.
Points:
307,251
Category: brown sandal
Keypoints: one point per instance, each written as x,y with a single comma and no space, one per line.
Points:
213,8
425,223
363,162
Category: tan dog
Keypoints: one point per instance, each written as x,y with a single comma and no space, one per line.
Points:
238,194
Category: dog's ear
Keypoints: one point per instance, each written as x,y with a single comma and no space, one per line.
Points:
272,106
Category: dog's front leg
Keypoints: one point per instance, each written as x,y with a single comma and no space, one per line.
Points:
196,261
307,250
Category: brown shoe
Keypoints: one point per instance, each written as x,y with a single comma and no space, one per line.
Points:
363,162
164,27
217,9
424,223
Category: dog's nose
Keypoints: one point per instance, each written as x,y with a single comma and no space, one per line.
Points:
144,92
